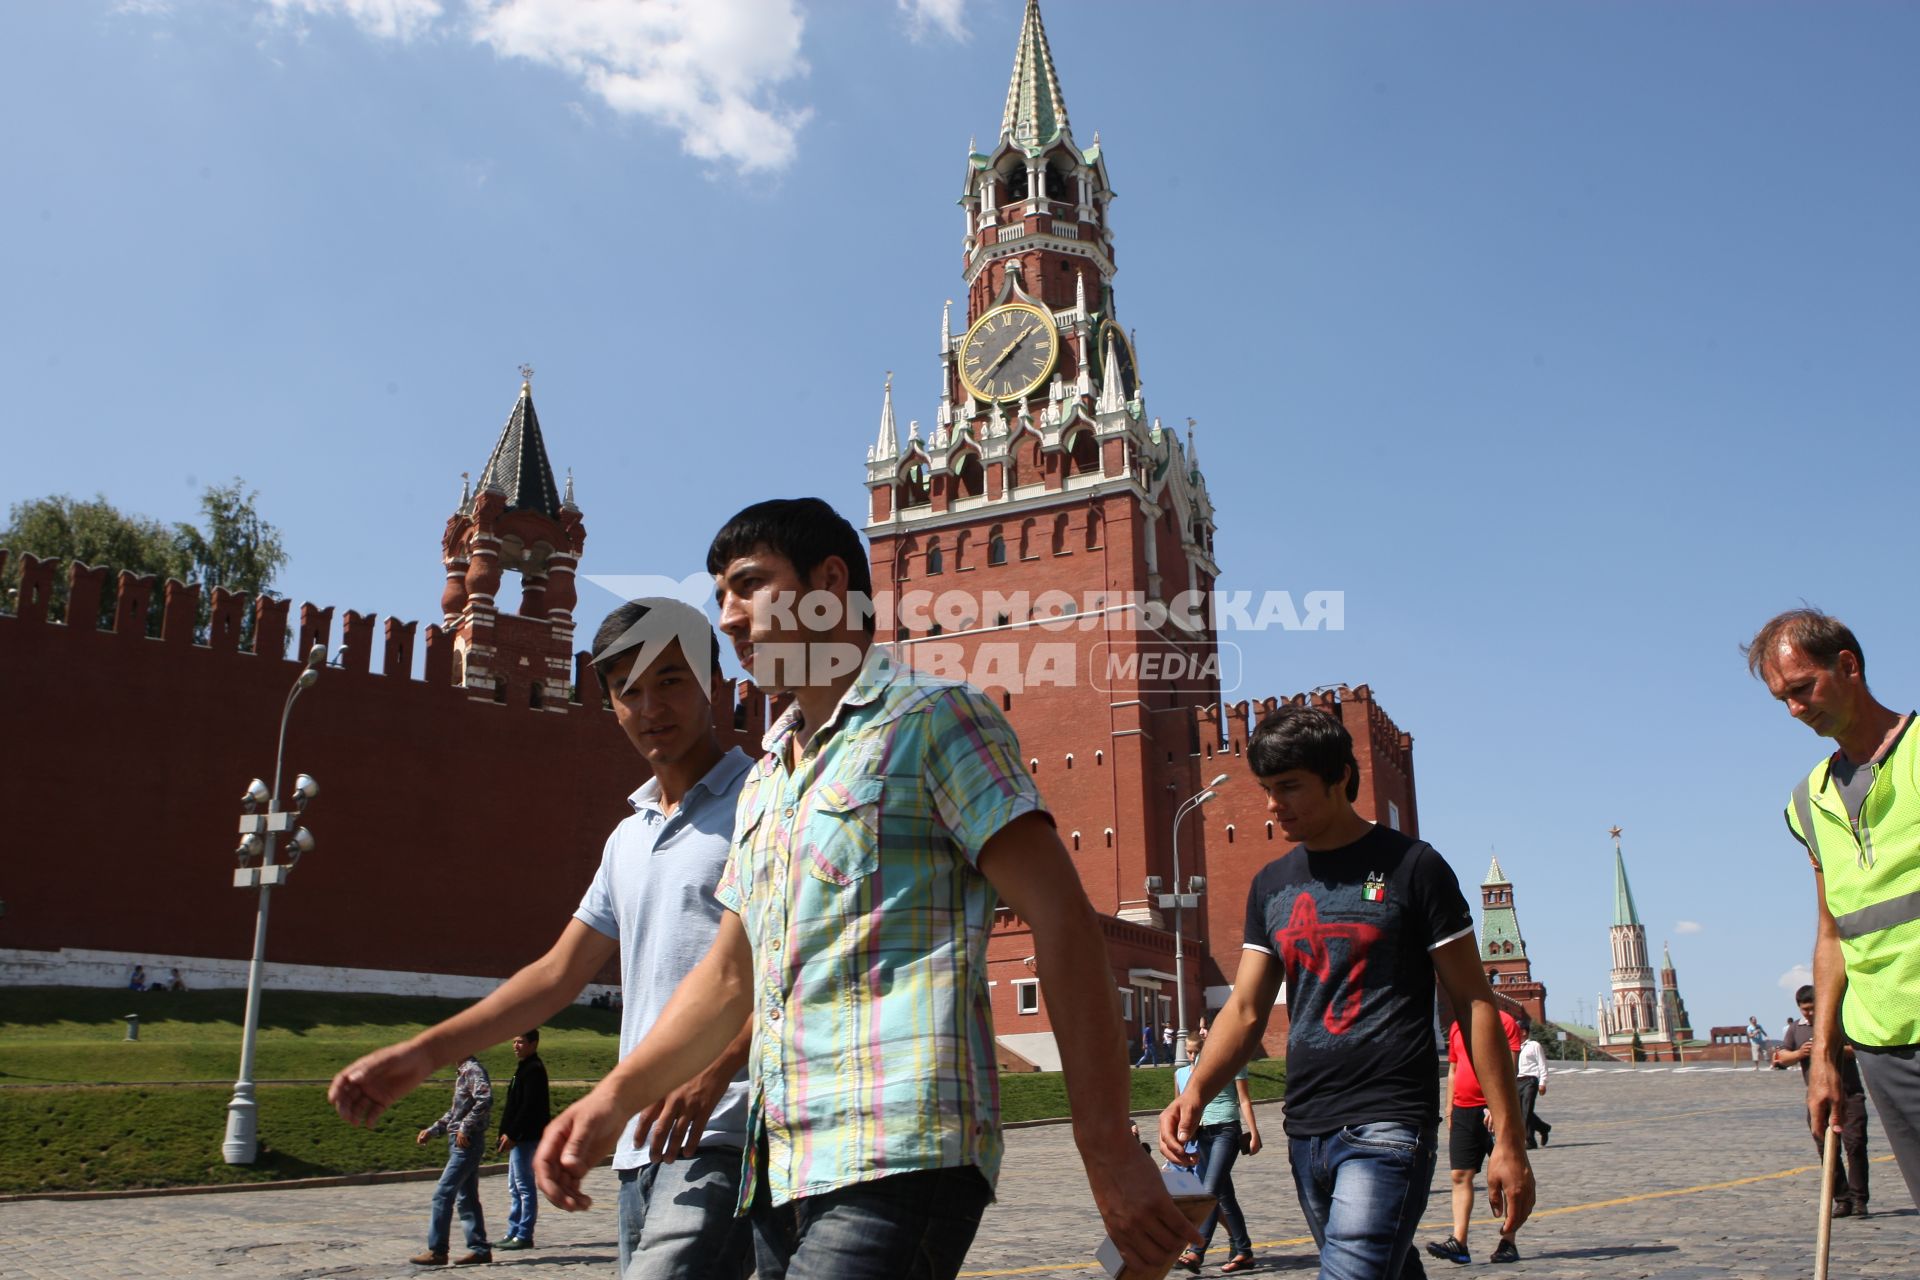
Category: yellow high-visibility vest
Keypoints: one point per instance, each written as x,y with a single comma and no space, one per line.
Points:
1872,874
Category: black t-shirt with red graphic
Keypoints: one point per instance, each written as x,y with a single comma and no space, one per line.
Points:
1354,929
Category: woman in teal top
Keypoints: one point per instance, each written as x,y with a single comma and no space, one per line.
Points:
1218,1143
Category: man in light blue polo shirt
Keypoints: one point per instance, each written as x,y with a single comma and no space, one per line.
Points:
652,898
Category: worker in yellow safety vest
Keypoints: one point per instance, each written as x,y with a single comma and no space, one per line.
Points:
1857,815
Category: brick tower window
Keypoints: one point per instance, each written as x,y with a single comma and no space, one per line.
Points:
936,562
996,547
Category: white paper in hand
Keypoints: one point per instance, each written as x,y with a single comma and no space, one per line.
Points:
1194,1201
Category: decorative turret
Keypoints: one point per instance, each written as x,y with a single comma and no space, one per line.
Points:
1671,1005
515,520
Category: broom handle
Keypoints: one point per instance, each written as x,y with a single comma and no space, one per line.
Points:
1829,1158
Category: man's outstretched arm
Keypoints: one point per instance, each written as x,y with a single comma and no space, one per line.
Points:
704,1016
1231,1044
1509,1176
1027,864
364,1090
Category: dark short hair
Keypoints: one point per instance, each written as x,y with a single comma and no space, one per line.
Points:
531,1037
805,531
1305,738
1816,636
1525,1020
1804,995
618,622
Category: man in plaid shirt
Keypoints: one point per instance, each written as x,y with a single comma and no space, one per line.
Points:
874,840
465,1125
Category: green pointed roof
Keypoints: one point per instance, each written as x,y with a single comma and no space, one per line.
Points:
1623,909
1495,875
1036,111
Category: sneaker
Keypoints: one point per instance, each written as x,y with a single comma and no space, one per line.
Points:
472,1259
428,1258
1505,1252
1449,1250
514,1242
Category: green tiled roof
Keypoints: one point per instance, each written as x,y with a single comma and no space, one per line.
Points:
1036,111
1623,909
1498,925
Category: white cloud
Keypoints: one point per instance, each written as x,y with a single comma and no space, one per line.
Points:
944,16
708,69
1688,926
389,19
1795,978
145,8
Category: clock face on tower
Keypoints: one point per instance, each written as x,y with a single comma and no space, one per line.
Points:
1008,352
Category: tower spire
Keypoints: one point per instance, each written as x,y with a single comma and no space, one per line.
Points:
1036,110
888,443
1624,912
518,467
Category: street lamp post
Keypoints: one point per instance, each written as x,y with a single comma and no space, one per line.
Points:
259,836
1178,901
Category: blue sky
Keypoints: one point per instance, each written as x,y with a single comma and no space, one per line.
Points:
1570,341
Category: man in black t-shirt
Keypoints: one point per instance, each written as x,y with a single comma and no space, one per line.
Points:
1358,921
1798,1048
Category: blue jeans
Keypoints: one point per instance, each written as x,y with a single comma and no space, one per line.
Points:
906,1226
676,1220
1362,1189
523,1201
1219,1148
459,1186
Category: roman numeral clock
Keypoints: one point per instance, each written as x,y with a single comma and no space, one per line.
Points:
1009,352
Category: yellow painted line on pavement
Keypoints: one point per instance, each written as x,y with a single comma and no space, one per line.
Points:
1437,1226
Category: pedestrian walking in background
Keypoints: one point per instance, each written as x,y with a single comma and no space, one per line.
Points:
1470,1140
1756,1039
1797,1049
1857,815
465,1127
1227,1131
1530,1075
522,1120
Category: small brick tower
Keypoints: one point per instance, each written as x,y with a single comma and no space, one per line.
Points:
1672,1007
514,519
1503,951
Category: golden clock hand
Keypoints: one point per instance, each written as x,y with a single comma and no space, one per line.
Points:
1007,355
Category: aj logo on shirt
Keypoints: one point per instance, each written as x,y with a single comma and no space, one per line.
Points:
1375,890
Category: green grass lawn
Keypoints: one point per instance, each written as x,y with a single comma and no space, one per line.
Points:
77,1035
134,1134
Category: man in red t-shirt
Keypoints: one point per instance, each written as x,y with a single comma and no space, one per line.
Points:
1469,1142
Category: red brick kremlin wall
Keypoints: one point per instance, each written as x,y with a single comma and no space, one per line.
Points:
455,835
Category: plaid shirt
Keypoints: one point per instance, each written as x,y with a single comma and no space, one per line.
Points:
472,1103
855,876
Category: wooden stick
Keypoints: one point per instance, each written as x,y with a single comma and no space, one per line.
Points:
1828,1161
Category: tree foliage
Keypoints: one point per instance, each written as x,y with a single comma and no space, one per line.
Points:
234,547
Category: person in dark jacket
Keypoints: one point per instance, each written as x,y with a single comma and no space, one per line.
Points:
522,1121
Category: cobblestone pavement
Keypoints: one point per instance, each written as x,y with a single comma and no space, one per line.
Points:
1684,1173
